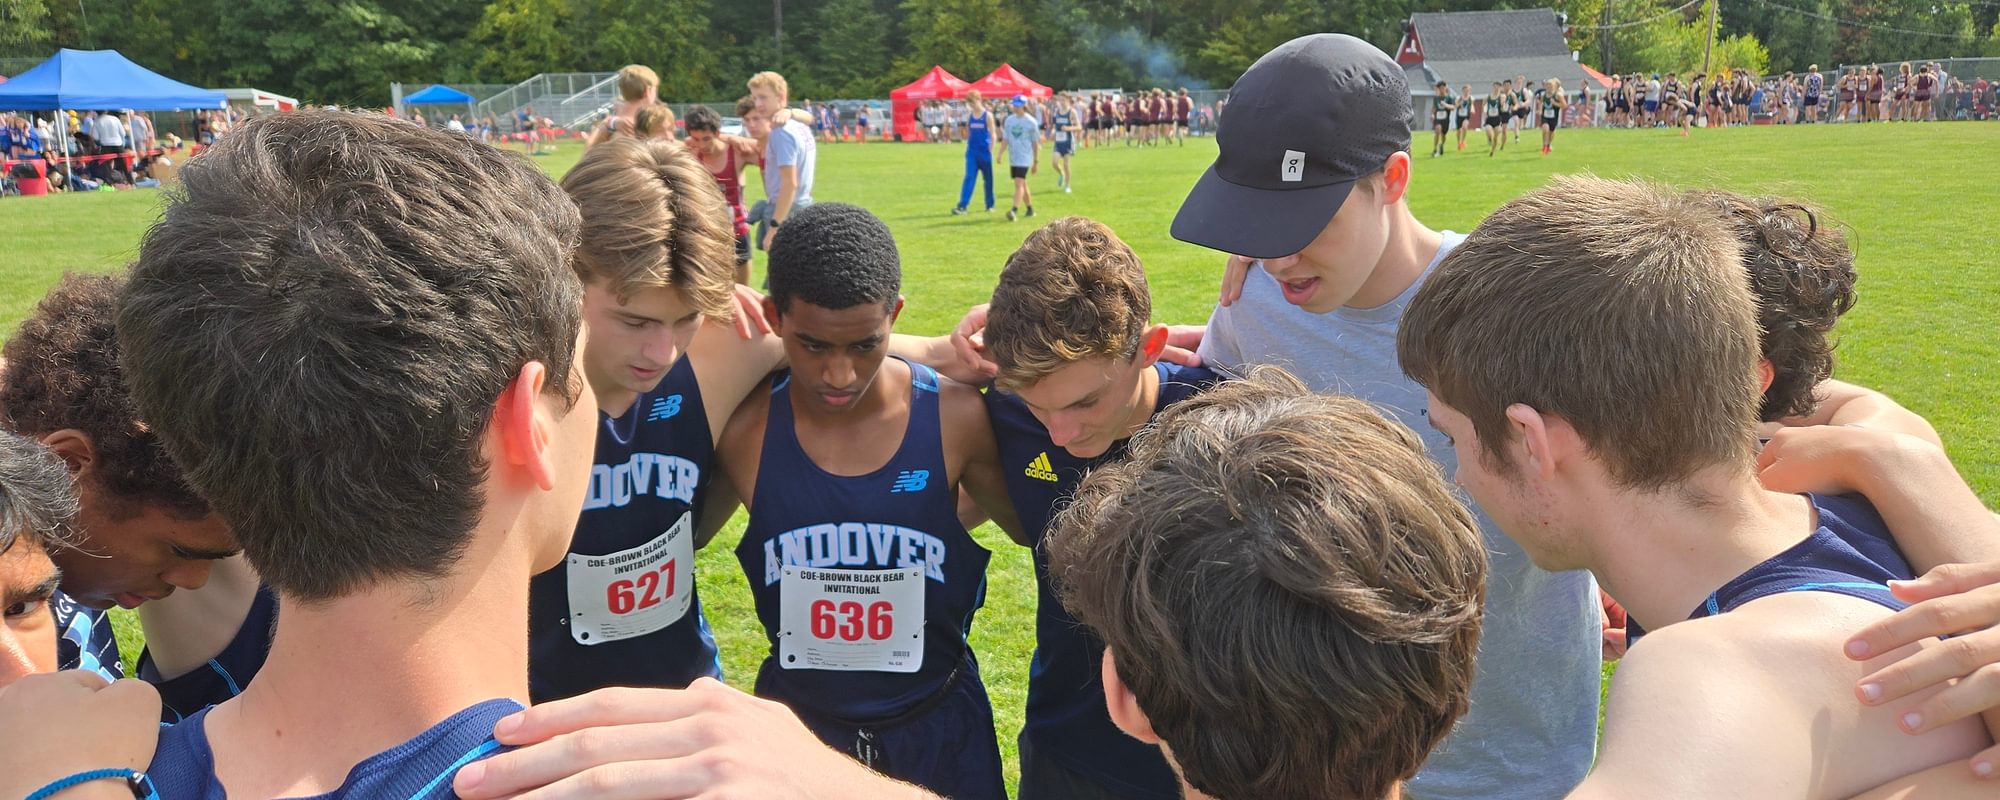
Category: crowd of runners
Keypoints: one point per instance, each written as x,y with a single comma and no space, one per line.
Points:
382,460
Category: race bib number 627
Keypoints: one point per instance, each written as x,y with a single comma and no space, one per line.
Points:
632,592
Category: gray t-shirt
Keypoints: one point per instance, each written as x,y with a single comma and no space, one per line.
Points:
1021,131
1532,729
791,145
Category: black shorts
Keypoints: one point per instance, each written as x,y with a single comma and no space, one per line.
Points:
1520,113
1550,122
1019,173
1441,123
1493,121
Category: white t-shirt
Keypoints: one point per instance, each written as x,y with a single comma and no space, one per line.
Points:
1531,733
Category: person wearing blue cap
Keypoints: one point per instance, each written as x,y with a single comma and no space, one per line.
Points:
1022,139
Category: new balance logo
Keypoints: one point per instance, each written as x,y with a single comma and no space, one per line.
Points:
664,408
911,480
1039,469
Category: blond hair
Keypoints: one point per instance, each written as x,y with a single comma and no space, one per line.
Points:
771,81
653,218
1618,306
1072,292
634,80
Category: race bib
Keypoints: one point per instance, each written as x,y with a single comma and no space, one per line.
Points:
851,620
1062,137
632,592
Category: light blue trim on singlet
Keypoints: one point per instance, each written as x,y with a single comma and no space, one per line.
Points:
782,383
228,679
485,747
1716,608
1816,587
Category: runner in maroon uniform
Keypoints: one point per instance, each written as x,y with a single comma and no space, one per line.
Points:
725,156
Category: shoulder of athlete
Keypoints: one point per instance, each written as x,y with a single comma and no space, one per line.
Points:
729,367
968,433
1684,718
1759,702
741,444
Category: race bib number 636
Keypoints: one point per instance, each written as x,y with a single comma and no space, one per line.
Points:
851,620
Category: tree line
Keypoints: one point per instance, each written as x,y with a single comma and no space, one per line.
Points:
348,51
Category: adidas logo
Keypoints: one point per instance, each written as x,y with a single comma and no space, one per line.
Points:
1040,469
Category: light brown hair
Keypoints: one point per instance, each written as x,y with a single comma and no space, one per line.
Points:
326,380
1803,276
634,80
652,120
653,218
1072,292
1287,585
1618,306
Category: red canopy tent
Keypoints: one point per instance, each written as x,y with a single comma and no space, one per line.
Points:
937,84
1603,81
1005,81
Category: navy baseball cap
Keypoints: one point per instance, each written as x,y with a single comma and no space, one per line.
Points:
1303,124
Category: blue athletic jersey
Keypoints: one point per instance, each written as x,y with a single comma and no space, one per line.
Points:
901,516
594,620
420,769
1066,717
84,639
1060,122
978,138
1851,553
225,675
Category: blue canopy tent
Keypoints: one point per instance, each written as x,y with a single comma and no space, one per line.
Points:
99,79
438,94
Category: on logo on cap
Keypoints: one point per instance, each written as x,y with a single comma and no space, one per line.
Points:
1294,169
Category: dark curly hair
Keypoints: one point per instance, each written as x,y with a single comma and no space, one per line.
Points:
835,256
62,373
1803,275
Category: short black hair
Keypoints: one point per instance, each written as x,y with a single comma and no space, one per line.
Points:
62,372
702,118
835,256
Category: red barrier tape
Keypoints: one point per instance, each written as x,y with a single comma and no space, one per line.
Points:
73,160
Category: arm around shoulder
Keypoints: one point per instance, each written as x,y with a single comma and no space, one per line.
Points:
964,413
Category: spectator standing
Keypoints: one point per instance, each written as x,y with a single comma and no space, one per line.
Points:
790,152
1023,142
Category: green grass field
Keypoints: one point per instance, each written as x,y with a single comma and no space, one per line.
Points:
1918,219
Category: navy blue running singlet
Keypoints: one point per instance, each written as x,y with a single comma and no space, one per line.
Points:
866,585
622,610
1850,553
420,769
1066,717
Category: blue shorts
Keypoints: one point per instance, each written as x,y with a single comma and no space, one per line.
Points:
1063,148
949,748
1652,106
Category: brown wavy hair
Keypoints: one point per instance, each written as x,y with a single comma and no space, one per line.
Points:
1287,584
